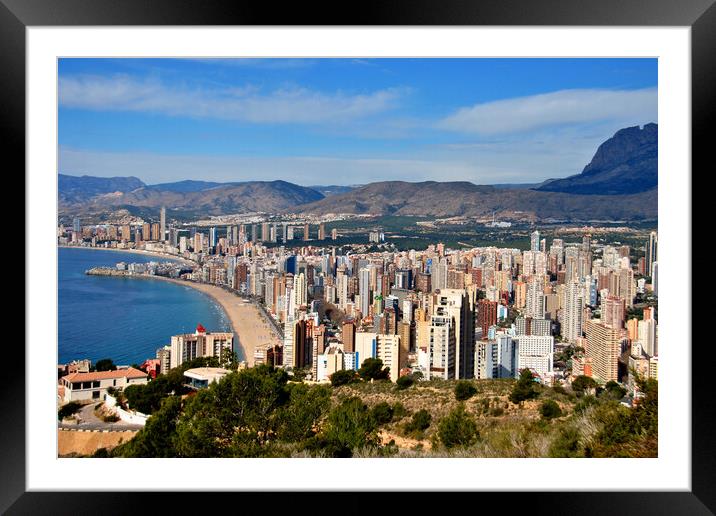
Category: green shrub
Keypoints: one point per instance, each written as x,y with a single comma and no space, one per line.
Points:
550,409
613,390
382,413
67,410
343,377
458,429
350,426
566,444
418,424
372,369
101,453
524,389
404,381
399,411
581,384
464,390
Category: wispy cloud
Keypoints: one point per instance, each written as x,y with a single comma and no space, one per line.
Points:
289,105
576,106
501,163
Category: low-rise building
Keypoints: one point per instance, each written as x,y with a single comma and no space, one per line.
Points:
201,377
93,386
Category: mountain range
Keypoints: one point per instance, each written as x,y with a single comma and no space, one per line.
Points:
619,183
625,164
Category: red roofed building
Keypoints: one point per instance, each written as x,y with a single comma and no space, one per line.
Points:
151,366
93,386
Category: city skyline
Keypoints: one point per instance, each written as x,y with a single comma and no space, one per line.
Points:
345,121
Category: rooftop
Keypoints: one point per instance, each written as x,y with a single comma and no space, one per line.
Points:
128,372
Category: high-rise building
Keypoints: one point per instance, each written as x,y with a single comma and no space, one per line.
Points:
406,330
295,353
534,306
334,234
388,350
651,252
604,348
201,343
572,306
305,231
535,352
300,290
534,241
348,336
486,314
460,305
321,231
76,226
364,290
501,359
441,347
613,309
162,224
647,336
530,326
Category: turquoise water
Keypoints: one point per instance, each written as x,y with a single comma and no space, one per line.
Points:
120,318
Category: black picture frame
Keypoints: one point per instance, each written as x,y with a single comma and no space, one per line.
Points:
17,15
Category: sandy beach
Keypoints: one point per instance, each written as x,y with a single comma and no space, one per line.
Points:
252,331
247,321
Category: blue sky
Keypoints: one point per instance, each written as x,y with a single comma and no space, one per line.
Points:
346,121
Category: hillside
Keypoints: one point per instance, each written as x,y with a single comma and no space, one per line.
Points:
78,189
624,164
620,183
466,199
202,197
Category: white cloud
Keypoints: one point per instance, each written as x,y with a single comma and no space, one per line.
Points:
578,106
295,105
497,163
305,170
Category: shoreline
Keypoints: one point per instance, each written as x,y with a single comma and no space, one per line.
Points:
246,321
140,252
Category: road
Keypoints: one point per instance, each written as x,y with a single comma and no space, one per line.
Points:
89,421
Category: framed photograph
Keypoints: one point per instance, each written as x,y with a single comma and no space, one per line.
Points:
418,253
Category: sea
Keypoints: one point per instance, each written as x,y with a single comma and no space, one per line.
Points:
125,319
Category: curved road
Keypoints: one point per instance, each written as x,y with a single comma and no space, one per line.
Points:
89,421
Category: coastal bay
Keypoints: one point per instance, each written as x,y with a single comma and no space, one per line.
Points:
251,330
122,319
247,321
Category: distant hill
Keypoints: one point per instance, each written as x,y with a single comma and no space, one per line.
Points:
77,189
199,197
624,164
620,183
449,199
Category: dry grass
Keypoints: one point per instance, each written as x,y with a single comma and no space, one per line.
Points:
506,429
